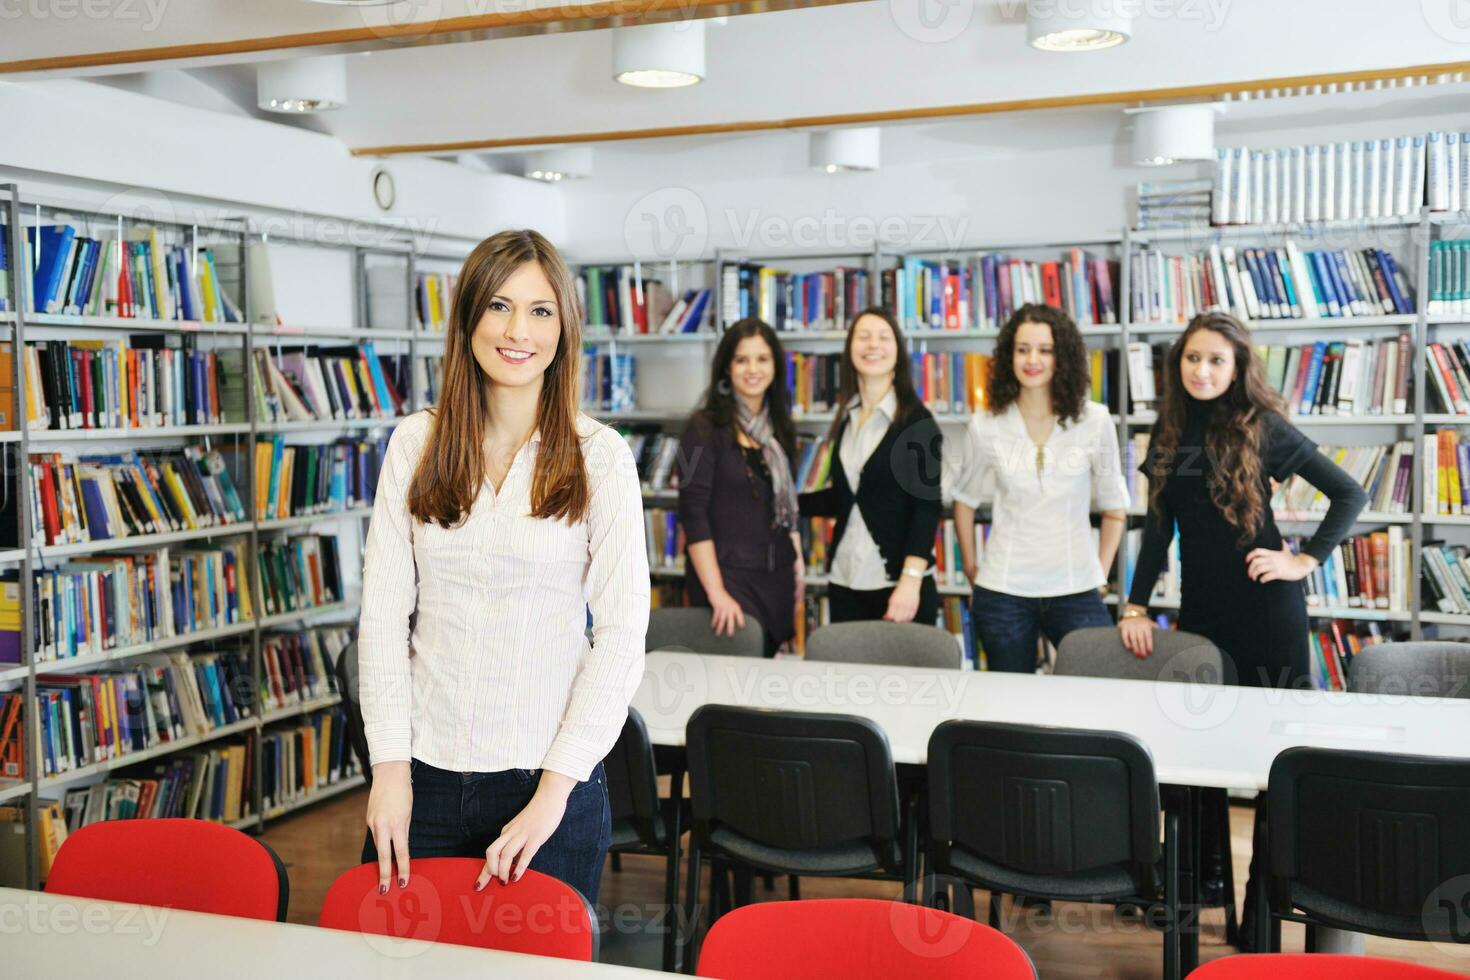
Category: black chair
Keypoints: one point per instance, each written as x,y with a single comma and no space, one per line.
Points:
642,822
1370,842
1051,813
792,793
347,685
1429,668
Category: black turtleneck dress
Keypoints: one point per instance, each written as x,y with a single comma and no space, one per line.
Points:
1262,626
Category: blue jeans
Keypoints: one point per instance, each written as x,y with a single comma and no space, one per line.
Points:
460,814
1009,626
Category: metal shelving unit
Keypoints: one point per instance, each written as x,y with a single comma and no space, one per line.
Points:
19,325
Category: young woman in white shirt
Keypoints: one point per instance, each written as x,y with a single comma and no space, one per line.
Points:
501,517
1051,457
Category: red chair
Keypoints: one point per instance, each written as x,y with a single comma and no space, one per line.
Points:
1314,966
537,914
174,863
854,939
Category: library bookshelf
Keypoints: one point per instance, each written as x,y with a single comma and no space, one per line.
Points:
246,636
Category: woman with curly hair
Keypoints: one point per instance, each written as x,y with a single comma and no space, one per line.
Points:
1219,441
1052,458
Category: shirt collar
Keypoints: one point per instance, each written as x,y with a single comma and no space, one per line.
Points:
888,406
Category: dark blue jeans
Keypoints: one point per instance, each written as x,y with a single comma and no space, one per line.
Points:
460,814
1009,626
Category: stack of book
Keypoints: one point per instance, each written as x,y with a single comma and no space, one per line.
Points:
302,758
1351,377
1384,177
1174,203
664,538
826,300
139,383
609,381
1385,472
1446,461
620,298
97,498
139,277
1268,284
433,295
300,667
1365,571
655,453
300,573
1445,573
206,785
294,480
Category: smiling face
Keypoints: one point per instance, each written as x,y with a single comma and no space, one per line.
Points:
1207,366
519,332
874,348
753,368
1034,355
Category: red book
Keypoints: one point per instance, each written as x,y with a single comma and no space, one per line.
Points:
1051,284
50,517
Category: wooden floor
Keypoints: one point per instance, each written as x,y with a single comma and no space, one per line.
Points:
1076,941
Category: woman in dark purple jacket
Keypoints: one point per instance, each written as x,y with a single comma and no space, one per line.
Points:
737,496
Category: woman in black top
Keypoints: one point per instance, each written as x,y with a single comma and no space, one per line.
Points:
884,488
1219,441
737,496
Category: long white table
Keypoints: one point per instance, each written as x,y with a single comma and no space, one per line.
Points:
1203,735
58,936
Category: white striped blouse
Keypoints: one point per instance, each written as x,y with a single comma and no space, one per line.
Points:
495,670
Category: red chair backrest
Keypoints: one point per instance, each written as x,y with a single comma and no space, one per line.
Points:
537,914
854,939
1314,966
174,863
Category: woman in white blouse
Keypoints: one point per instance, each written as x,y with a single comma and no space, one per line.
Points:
501,517
1048,458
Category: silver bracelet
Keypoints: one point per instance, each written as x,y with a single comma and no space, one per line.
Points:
914,572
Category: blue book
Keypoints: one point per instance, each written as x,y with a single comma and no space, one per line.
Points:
1325,283
52,243
1345,278
1314,376
1403,301
1266,307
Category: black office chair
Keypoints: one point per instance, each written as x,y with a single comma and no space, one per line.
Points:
347,684
642,821
1051,813
1370,842
792,793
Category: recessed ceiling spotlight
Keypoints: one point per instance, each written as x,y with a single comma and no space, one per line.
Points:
302,85
659,55
836,150
1052,25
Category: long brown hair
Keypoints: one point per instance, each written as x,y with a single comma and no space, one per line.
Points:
719,398
1233,437
847,378
1071,381
452,468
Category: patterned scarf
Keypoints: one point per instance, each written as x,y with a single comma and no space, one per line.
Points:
758,428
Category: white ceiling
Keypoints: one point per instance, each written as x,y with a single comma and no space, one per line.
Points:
771,68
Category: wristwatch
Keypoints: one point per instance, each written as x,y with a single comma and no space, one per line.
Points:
1134,613
914,572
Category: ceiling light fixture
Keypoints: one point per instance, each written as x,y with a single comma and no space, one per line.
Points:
563,163
838,150
302,84
659,55
1167,134
1053,25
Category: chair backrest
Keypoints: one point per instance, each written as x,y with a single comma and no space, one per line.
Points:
537,914
1098,651
175,863
1373,841
1315,966
792,779
857,939
1429,668
347,684
1044,801
881,642
689,630
632,781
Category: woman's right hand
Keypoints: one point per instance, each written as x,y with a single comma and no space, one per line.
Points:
1138,633
728,616
390,804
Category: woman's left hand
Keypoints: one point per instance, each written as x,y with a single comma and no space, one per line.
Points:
903,601
1265,565
507,857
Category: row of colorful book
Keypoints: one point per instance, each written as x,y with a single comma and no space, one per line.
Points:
314,383
146,381
299,480
1283,283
